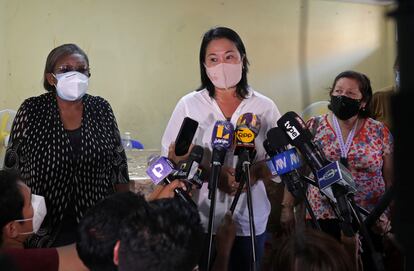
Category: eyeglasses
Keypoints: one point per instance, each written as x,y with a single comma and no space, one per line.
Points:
63,69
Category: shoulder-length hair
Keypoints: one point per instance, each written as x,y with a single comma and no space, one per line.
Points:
220,33
55,55
364,86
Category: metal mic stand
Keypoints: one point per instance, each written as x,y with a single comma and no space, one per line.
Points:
300,188
245,179
348,210
215,173
375,256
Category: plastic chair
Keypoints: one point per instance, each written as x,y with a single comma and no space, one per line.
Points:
6,121
315,109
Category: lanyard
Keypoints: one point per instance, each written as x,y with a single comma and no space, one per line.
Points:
344,146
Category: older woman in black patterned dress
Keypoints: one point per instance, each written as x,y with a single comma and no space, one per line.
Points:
67,147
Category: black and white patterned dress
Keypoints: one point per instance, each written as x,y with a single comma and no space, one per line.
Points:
40,149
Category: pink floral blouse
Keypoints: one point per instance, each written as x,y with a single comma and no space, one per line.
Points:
365,159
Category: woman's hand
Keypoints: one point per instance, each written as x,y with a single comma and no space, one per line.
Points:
226,233
175,158
227,182
167,191
287,218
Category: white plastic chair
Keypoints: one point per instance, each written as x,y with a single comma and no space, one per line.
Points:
6,121
315,109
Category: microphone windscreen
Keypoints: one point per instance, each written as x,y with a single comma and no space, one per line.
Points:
197,153
295,128
222,137
277,138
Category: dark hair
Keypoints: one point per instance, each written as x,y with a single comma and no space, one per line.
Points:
55,55
7,263
167,236
98,231
396,64
220,33
311,250
11,198
364,86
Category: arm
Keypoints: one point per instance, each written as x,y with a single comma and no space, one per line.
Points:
287,217
167,191
69,259
387,149
226,234
120,176
17,136
387,170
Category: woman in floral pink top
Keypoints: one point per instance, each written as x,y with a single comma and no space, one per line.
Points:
362,144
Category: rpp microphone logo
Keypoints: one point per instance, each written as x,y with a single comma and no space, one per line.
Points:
291,130
245,135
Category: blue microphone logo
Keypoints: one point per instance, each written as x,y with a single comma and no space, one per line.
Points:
222,134
286,161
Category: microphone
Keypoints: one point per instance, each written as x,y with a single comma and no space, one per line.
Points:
270,153
247,128
284,161
187,169
301,138
161,170
335,173
190,170
221,141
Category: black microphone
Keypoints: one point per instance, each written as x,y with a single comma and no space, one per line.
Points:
221,141
247,128
190,170
187,169
285,161
301,138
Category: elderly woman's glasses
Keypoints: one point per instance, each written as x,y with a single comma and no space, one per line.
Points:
64,69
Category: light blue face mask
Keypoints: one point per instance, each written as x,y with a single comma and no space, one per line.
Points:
397,79
71,86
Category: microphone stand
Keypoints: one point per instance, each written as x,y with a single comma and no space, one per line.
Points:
375,256
218,157
300,189
246,173
348,209
244,160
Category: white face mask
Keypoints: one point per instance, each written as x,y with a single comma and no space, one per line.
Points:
225,75
40,211
71,86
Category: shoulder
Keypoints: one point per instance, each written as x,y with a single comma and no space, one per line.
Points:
376,126
196,95
316,120
97,103
257,96
316,123
374,123
37,103
95,100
